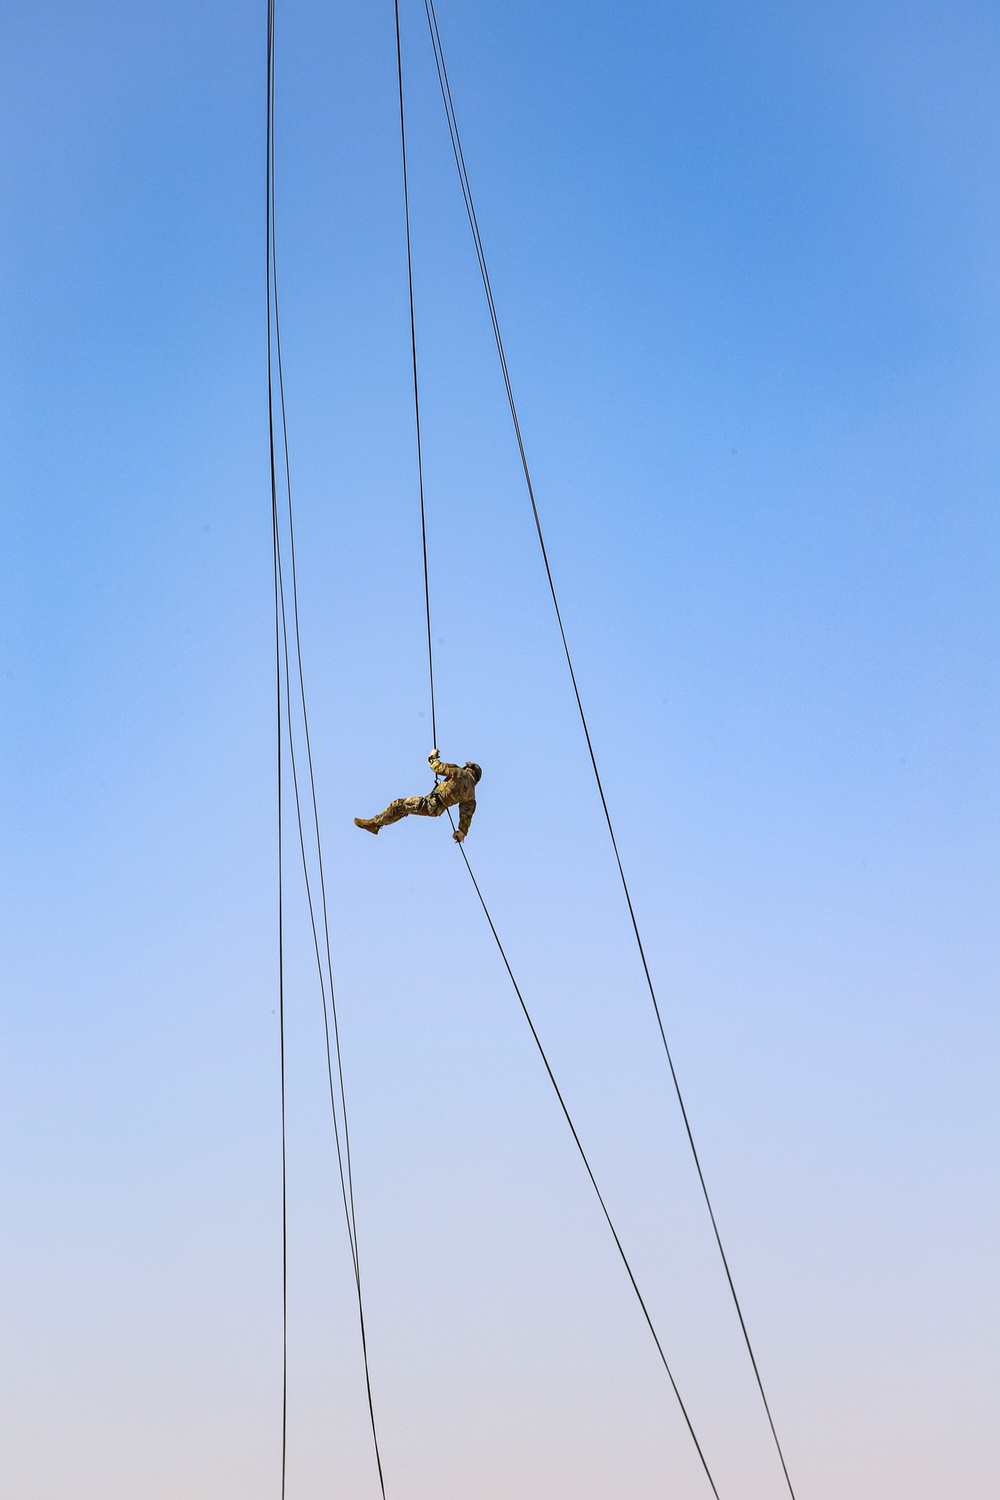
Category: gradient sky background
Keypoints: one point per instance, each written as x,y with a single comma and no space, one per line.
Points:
746,261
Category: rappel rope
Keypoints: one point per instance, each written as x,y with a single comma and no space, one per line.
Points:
590,1173
288,646
416,383
466,189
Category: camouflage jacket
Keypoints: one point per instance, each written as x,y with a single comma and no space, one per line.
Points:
457,789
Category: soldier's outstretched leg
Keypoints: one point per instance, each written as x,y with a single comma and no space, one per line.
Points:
403,807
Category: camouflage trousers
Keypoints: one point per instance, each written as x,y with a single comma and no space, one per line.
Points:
405,807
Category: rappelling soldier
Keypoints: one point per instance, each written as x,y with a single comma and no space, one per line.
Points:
457,789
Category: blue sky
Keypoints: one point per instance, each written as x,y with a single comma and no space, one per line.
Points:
745,261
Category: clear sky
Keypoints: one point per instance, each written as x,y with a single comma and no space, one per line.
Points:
745,256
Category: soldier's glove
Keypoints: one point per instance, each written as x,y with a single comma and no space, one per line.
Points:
458,836
434,755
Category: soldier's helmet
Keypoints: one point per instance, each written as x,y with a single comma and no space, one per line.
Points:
477,771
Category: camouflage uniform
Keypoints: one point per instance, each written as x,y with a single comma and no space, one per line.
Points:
458,789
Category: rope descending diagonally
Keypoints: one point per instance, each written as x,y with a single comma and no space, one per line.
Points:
593,1180
459,155
292,727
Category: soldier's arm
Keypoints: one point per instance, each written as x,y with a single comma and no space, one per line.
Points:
466,811
441,767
